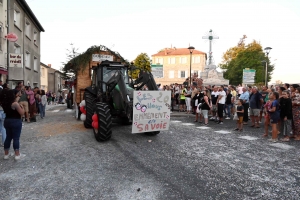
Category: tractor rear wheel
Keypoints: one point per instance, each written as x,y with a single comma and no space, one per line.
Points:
90,101
152,133
103,132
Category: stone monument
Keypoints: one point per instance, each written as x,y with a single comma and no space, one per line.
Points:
211,76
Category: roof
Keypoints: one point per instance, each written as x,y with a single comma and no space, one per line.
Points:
27,9
44,65
176,51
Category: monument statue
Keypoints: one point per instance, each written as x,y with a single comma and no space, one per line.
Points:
211,76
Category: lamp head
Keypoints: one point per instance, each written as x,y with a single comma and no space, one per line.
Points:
267,50
191,49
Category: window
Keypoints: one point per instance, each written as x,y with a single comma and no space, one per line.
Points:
17,16
196,59
182,74
35,63
17,48
196,73
27,28
171,60
182,60
27,59
35,36
171,74
159,61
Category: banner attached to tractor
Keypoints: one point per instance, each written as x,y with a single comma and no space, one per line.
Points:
151,111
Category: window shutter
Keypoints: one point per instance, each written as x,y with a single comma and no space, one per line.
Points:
179,74
186,74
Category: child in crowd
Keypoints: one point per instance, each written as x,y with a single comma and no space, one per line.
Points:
274,113
240,114
286,115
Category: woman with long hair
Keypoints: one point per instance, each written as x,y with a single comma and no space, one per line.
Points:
12,123
42,103
206,106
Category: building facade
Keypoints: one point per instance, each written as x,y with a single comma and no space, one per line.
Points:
55,80
23,23
44,76
3,41
172,65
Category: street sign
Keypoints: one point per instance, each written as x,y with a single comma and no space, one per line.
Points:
157,71
249,76
101,57
15,60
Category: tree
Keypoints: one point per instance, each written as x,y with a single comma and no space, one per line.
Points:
249,56
142,61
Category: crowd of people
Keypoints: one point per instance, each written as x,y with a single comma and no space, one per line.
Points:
17,105
275,106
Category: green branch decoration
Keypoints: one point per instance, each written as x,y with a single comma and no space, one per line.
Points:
78,62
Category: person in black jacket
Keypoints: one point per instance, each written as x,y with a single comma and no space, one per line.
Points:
286,115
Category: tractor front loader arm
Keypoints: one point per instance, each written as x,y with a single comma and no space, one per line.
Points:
145,78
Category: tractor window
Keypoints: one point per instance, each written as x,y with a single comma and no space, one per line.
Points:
94,78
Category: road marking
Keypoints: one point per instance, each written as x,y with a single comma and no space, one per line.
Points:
248,138
55,110
282,146
203,127
223,132
69,110
175,121
187,124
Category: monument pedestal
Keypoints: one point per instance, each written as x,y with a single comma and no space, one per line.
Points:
211,76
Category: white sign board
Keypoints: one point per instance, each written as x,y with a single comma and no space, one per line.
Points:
248,76
15,60
151,111
101,57
157,71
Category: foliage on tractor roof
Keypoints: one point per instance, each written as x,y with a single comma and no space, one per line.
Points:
77,62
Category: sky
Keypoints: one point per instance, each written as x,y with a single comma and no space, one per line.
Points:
132,27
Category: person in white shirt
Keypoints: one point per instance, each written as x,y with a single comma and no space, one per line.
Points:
240,90
221,102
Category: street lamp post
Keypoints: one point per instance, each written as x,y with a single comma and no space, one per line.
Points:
267,50
191,49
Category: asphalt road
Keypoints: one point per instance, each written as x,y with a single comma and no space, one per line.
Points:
62,160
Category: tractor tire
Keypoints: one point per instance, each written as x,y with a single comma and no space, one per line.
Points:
104,131
90,101
153,133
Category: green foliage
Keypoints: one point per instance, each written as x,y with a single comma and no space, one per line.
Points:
77,62
249,56
142,61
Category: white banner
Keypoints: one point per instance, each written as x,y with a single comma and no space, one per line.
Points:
15,60
151,111
101,57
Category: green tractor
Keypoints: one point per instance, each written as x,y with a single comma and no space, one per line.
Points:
111,96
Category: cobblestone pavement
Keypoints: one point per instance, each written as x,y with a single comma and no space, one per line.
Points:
62,160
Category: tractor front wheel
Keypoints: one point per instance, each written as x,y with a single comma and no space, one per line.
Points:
103,132
89,107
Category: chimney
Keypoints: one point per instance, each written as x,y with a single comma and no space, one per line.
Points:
166,51
49,65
